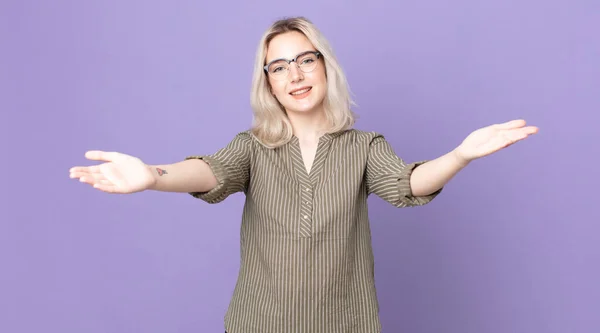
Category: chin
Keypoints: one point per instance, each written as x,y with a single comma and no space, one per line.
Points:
304,109
306,105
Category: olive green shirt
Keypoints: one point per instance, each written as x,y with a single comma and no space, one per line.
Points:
306,257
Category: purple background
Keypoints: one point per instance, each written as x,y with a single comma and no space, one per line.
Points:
512,245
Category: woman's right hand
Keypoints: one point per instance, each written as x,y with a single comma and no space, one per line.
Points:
120,173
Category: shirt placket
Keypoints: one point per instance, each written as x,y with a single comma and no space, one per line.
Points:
308,184
306,209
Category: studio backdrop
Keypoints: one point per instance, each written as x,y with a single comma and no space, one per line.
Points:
511,245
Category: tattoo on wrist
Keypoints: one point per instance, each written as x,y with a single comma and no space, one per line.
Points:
161,171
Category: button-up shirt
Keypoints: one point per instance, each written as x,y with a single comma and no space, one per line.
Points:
306,258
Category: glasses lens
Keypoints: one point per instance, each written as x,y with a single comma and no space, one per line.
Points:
307,62
278,68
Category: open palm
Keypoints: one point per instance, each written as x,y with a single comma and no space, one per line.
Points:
490,139
120,173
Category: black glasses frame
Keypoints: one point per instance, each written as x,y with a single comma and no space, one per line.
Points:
289,62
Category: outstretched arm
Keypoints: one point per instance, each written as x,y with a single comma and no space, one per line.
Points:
122,173
433,175
208,177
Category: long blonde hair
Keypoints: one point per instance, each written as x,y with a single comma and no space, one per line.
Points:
271,126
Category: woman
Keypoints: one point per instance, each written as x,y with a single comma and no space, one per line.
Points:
306,256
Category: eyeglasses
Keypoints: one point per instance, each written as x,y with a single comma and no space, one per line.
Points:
280,68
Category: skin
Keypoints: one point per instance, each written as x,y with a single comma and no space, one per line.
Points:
121,173
306,114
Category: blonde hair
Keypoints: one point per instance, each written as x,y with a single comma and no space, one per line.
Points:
271,126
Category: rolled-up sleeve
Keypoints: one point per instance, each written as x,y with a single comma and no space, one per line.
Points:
231,167
388,176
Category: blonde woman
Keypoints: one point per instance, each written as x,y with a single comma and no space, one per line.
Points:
306,256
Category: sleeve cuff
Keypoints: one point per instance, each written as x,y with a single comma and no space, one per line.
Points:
406,195
218,193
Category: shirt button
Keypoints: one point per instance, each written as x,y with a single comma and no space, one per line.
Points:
305,217
307,189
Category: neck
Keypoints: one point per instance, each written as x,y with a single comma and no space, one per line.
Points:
307,126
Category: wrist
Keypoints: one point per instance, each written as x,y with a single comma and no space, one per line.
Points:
153,184
460,160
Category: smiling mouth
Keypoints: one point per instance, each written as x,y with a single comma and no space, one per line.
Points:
301,91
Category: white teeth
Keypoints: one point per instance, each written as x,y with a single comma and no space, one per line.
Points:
301,91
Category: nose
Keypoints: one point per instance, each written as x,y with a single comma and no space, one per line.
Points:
295,72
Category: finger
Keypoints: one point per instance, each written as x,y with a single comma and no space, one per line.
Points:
99,155
79,175
85,169
512,124
79,169
91,172
91,179
107,188
520,133
530,130
76,174
104,182
88,179
90,176
525,131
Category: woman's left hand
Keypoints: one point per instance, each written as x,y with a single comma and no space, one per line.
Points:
490,139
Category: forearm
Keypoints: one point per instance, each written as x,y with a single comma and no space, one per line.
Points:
433,175
193,175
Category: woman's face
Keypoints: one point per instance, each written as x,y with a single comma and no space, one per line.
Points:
303,86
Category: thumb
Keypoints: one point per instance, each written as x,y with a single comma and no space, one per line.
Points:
512,124
99,155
